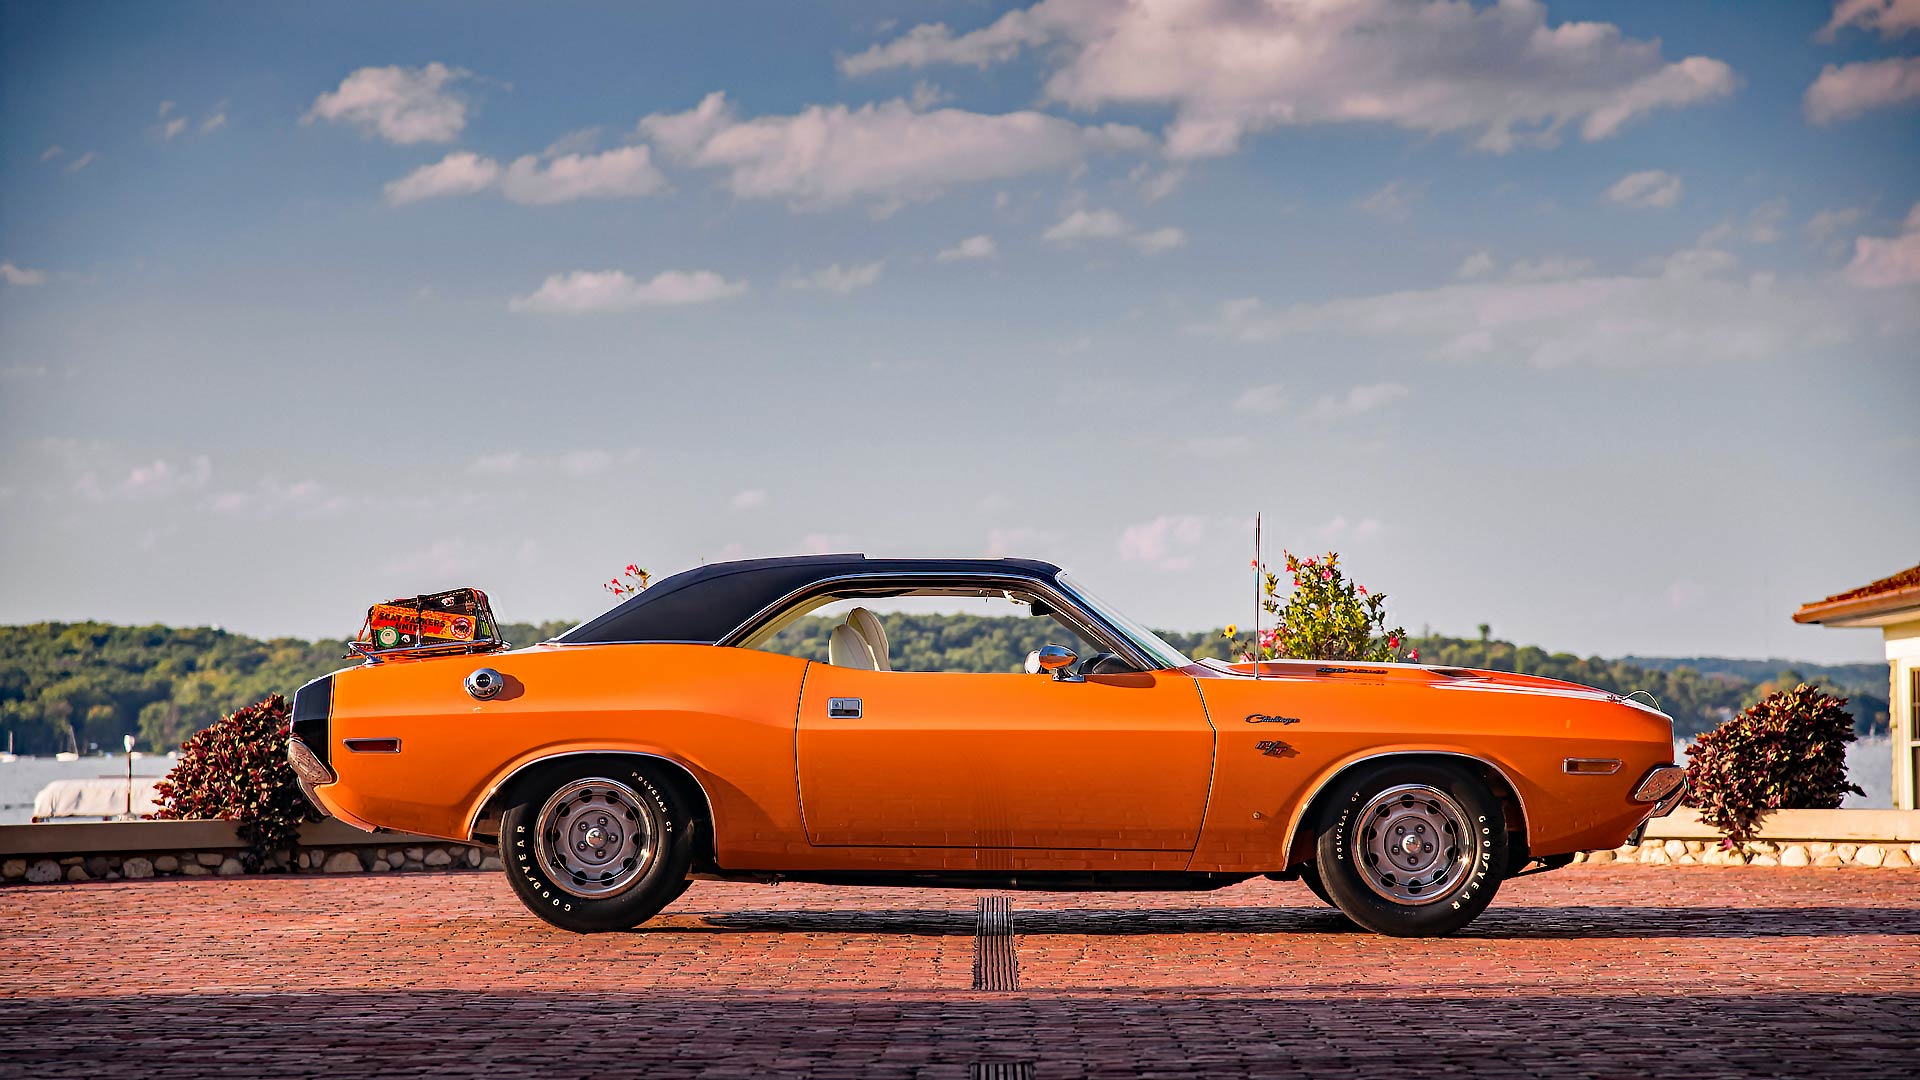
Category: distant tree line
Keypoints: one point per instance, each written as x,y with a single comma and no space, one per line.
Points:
160,683
164,683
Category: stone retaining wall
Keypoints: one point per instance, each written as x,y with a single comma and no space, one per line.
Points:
38,854
32,870
1891,856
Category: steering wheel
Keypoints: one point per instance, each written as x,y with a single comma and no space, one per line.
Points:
1104,663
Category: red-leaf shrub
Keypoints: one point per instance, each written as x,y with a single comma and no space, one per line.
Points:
236,770
1787,751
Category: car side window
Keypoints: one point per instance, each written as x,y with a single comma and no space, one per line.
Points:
921,633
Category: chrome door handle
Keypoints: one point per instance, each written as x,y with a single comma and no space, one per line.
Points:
843,708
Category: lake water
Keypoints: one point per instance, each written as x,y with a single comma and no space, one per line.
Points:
1869,764
21,780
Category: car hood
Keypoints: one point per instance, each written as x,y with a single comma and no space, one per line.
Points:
1452,678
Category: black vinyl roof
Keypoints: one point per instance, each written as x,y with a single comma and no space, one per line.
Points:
704,604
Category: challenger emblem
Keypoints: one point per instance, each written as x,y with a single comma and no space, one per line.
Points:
1263,718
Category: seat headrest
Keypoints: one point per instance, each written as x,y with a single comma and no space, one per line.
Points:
870,627
847,649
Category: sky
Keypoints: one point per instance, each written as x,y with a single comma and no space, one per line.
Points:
1596,323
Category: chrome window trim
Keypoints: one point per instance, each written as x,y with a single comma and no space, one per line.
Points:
1089,625
1293,827
473,820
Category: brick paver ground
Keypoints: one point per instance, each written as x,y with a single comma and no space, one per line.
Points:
1621,972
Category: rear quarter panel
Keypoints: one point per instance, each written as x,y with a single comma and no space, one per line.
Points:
1260,795
727,715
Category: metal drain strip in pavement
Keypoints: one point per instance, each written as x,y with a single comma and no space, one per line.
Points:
994,965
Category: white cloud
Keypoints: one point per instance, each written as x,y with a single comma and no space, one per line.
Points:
1216,447
1340,529
1270,398
612,290
213,123
274,498
1156,241
584,462
460,173
1654,188
51,152
504,463
1692,307
1477,265
1548,268
589,462
1497,72
1086,225
172,128
1886,262
1692,264
829,155
973,247
1829,224
750,499
1155,185
1393,202
1846,90
401,105
1762,226
79,163
20,275
1890,17
1018,542
839,279
1359,399
627,172
156,479
1166,542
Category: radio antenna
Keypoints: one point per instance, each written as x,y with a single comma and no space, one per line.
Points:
1257,571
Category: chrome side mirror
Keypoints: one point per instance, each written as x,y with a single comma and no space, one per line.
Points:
1057,659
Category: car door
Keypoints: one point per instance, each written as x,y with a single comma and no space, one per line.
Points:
965,760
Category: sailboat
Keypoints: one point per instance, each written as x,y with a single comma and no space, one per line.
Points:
9,757
72,752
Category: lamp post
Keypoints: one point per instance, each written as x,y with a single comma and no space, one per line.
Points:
127,741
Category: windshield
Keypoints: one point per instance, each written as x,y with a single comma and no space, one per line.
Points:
1144,639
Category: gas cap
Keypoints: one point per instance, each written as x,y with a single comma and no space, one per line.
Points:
484,683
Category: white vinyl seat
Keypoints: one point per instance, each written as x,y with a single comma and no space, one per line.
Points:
870,628
847,649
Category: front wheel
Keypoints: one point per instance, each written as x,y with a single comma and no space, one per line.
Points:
1410,849
601,847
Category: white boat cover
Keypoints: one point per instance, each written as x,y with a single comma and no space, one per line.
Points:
99,797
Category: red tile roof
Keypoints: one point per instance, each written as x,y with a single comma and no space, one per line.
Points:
1887,594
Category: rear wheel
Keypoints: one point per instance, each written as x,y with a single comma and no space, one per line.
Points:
601,847
1410,849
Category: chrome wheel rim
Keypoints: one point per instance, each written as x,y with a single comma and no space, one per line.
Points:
1415,844
595,837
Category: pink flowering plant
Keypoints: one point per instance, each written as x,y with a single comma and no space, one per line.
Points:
1322,615
629,582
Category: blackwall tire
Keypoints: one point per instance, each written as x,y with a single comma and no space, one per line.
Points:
600,846
1411,849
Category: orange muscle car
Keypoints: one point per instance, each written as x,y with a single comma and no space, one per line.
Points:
671,739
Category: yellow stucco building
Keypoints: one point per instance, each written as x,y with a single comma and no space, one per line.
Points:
1893,605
